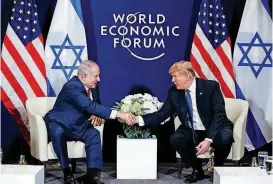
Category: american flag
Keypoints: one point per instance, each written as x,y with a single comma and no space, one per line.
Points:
211,50
23,72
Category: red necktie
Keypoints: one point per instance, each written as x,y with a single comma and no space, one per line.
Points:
89,92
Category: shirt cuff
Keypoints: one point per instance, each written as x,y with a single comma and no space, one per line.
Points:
210,140
140,121
113,114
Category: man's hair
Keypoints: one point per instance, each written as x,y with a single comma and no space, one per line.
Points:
184,67
85,67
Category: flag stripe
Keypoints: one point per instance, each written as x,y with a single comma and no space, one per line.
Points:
12,80
226,61
206,71
197,67
36,58
23,67
212,66
16,115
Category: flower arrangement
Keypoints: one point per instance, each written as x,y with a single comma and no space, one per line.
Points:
138,105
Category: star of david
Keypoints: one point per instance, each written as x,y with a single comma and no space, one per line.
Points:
246,61
58,64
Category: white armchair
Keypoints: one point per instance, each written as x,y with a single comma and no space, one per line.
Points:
40,148
236,110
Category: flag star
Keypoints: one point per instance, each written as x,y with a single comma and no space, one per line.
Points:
216,41
29,4
34,22
210,31
223,25
14,2
33,30
21,11
28,12
223,33
199,13
22,3
216,32
25,28
19,19
217,7
217,15
203,21
205,5
24,36
223,16
210,14
204,13
211,6
217,24
11,18
13,9
27,20
35,13
18,27
35,5
210,22
222,8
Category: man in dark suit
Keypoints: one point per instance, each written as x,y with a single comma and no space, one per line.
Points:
74,115
200,106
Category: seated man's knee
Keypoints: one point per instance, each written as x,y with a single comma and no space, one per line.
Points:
57,133
226,137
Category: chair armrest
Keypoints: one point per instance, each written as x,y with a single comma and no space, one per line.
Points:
38,136
238,147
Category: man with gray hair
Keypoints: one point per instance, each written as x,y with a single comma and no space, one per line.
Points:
75,113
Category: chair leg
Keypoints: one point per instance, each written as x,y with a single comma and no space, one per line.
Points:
73,165
44,164
236,163
179,167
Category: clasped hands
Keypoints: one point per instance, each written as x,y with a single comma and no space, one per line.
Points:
127,117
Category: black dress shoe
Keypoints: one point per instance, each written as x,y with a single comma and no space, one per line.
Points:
95,180
68,179
195,176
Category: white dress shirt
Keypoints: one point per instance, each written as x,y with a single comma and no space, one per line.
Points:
197,122
113,114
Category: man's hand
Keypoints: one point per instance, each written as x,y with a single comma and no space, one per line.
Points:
203,147
95,121
127,117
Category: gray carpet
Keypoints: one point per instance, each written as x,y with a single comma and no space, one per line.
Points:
166,174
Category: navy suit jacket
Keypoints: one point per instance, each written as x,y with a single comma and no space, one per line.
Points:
73,108
210,106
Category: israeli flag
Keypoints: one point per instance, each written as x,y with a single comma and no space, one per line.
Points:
252,63
65,45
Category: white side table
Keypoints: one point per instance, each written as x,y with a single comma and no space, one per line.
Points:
136,158
241,175
23,174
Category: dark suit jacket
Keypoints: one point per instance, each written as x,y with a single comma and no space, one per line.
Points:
210,106
73,107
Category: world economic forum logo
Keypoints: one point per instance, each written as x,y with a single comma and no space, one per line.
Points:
140,32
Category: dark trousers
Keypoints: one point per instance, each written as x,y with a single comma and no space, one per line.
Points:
182,141
91,138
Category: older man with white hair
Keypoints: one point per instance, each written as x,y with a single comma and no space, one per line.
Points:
75,113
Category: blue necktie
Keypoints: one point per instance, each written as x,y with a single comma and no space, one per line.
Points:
190,112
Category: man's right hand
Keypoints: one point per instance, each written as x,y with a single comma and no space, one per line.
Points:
129,118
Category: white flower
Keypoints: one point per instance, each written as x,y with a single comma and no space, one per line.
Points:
125,107
149,107
138,95
159,105
128,99
147,96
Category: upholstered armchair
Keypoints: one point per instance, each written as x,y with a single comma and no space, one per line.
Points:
237,111
40,148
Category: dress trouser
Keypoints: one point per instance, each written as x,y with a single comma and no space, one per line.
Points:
91,139
182,141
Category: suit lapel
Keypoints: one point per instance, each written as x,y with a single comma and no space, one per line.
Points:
199,94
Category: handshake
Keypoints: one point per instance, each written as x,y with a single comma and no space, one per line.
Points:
127,117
